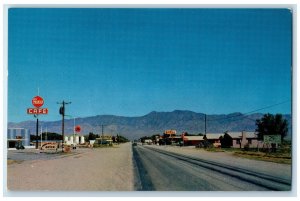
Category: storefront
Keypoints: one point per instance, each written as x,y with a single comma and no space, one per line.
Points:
18,138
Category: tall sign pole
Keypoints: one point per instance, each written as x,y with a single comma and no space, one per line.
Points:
37,102
62,112
37,131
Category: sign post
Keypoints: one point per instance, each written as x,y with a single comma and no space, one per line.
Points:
272,140
37,102
269,139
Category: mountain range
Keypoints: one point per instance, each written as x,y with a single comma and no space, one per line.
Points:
152,123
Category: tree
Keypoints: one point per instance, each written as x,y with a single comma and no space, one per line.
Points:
144,138
226,140
121,139
153,137
92,136
50,136
271,125
206,143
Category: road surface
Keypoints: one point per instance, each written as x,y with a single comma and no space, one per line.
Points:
161,170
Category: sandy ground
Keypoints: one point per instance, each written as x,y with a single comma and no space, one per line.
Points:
98,169
106,169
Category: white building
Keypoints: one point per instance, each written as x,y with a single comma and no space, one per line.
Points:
18,134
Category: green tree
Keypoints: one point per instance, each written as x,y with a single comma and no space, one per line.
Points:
206,143
144,138
121,139
50,136
92,136
153,137
226,140
271,125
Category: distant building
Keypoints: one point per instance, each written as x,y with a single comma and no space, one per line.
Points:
104,139
192,140
239,139
169,138
15,135
213,138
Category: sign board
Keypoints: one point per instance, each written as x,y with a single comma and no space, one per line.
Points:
269,139
50,146
77,129
170,132
37,101
37,110
105,137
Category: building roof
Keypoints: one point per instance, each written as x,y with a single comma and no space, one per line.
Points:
239,134
235,134
193,137
212,136
209,136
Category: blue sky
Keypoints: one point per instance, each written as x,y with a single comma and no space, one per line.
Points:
130,62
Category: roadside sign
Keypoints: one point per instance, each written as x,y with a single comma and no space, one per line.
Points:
77,129
37,110
269,139
49,146
170,132
37,101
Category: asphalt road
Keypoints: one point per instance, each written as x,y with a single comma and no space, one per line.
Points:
159,170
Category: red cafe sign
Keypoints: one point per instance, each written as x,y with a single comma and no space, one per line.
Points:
37,110
37,101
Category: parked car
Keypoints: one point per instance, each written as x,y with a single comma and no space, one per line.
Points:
19,145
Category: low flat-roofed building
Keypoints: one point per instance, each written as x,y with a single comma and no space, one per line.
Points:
192,140
240,139
104,139
16,135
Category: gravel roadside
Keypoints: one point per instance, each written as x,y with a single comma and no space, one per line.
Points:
98,169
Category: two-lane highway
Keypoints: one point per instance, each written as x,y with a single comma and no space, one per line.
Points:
165,171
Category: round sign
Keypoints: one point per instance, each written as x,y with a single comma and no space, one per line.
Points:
37,101
77,129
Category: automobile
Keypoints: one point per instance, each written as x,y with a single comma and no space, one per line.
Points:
19,145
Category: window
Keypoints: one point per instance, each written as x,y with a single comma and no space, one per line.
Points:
238,141
249,141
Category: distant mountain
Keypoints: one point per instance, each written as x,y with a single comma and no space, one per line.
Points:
152,123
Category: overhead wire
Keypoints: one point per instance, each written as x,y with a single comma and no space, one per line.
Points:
244,115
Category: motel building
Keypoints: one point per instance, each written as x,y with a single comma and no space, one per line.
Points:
17,137
239,139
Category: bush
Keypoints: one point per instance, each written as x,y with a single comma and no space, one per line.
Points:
246,147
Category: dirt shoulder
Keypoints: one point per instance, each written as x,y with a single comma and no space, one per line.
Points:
98,169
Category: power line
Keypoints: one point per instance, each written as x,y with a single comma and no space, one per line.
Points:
247,113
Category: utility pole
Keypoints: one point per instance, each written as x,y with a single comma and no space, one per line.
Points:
205,124
62,112
102,133
41,137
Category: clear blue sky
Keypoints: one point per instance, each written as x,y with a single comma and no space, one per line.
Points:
130,62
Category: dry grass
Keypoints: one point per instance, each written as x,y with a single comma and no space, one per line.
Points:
10,162
271,157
